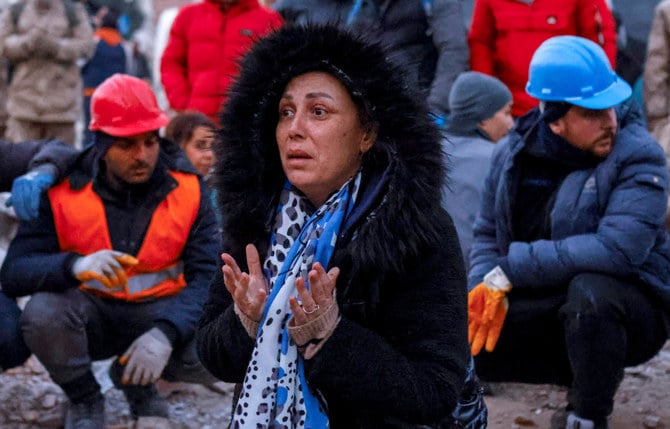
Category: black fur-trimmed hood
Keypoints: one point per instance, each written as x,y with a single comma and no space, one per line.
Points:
249,176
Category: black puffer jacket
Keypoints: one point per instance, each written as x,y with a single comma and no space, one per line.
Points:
400,349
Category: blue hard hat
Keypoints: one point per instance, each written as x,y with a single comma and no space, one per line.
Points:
575,70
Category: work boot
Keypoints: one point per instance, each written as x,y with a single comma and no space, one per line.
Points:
144,401
87,414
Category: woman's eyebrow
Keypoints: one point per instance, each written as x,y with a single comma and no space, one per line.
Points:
318,95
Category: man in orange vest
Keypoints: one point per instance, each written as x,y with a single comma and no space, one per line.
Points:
118,261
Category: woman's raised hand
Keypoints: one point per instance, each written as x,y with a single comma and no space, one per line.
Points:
249,291
316,300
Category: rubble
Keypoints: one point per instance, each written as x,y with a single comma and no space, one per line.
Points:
30,400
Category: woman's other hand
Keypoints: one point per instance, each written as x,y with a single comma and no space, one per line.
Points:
249,291
316,300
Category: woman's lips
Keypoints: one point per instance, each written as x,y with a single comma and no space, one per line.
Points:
299,154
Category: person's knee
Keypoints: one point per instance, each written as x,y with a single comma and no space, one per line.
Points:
592,294
43,311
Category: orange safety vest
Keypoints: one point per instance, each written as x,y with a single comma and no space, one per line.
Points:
81,226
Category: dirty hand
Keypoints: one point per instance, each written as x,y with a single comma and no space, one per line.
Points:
105,266
487,308
146,358
27,191
249,291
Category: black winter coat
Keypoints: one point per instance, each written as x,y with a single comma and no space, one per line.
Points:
400,349
430,41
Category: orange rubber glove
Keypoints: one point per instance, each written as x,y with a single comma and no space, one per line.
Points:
487,308
105,266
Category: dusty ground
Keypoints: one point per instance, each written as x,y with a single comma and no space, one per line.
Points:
28,399
643,400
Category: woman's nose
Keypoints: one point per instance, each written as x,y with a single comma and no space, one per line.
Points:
295,128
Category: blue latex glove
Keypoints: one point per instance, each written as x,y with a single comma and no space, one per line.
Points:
27,191
439,119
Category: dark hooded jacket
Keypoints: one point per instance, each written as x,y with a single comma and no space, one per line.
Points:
606,216
17,159
428,36
400,349
35,263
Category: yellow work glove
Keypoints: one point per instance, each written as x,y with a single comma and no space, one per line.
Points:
105,266
487,308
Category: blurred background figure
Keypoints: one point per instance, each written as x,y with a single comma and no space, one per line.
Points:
4,67
481,114
44,40
109,58
163,25
427,37
211,29
630,53
136,26
657,81
194,133
633,25
504,35
657,75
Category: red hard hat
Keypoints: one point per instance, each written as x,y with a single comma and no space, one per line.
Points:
124,105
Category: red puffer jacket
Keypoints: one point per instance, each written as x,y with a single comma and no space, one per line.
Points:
200,59
505,33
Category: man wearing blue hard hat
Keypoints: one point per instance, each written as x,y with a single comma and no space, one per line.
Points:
570,266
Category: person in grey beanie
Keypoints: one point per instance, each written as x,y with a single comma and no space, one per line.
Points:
481,107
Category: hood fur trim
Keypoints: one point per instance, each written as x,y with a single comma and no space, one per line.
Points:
249,175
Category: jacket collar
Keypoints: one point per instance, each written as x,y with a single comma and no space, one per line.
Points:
539,141
87,167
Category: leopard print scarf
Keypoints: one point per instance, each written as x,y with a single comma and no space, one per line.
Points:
275,393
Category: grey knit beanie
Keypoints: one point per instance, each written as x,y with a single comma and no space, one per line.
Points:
474,97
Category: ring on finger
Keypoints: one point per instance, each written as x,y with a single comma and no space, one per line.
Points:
312,310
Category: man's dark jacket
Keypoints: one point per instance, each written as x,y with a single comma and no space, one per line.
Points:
607,218
17,159
35,262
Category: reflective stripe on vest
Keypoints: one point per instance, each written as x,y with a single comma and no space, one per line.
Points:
139,282
81,226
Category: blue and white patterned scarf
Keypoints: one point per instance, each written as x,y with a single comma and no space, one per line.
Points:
275,393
